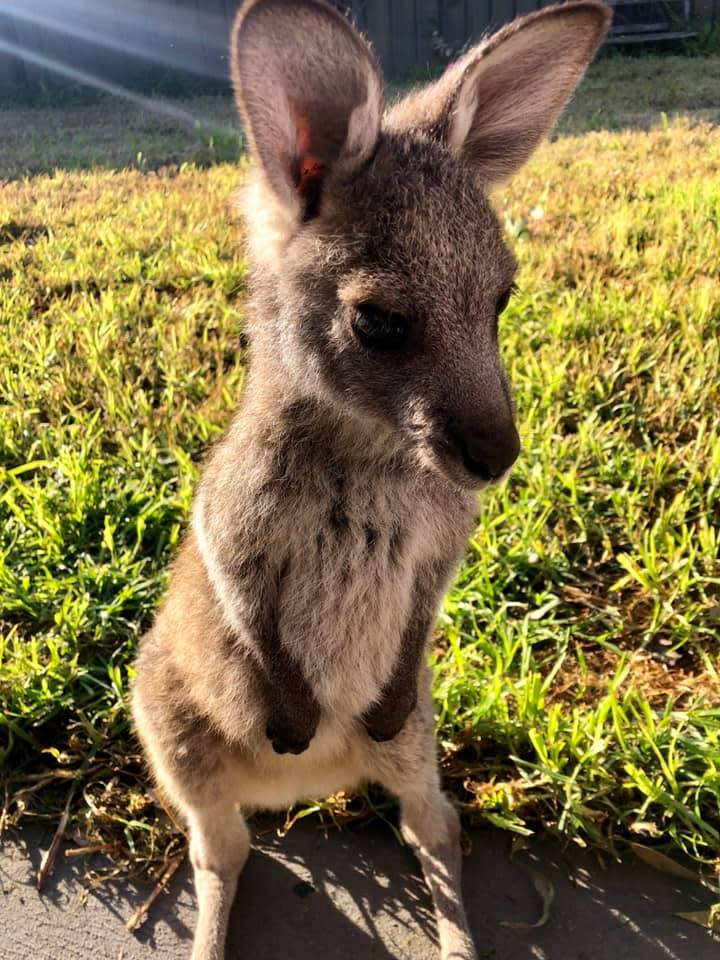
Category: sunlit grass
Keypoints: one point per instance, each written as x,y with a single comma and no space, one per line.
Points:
583,630
577,655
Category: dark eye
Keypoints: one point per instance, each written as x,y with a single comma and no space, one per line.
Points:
504,300
378,329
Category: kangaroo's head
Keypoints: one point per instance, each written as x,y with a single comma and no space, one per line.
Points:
381,265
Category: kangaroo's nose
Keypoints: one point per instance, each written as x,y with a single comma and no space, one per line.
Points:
488,451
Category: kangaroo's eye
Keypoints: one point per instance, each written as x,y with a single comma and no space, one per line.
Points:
504,300
378,329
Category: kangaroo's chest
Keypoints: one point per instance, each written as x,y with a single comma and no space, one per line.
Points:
349,588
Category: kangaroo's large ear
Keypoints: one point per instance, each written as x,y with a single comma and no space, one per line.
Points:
495,104
310,94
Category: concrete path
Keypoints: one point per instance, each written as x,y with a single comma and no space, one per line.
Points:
357,895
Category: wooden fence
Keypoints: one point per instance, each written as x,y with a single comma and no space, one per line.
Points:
407,34
133,42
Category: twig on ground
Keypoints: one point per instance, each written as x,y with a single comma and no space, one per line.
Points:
48,861
141,914
50,856
92,848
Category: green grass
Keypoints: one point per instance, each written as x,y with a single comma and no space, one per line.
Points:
577,657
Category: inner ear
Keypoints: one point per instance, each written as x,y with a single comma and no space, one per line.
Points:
310,94
511,98
494,106
307,169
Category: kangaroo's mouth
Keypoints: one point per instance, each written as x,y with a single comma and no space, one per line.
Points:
476,469
459,468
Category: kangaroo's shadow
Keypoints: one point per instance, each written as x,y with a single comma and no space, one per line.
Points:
310,896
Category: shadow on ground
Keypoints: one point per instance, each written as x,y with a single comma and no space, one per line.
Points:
358,894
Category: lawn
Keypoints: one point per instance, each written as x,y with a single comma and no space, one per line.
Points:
577,657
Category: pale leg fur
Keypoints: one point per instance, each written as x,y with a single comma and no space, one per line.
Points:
430,824
219,848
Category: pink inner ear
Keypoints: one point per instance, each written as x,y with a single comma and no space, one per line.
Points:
309,174
308,167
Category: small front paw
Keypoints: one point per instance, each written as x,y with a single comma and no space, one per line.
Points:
385,720
290,735
383,734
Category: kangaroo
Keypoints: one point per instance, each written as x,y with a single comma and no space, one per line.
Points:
288,658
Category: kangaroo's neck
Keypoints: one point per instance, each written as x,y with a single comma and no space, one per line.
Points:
307,432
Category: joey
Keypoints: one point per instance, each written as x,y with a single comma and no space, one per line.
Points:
288,658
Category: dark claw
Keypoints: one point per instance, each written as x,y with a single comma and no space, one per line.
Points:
384,723
382,736
283,744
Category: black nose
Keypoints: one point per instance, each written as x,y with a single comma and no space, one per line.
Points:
488,451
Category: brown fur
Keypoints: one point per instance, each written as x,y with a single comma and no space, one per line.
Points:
287,659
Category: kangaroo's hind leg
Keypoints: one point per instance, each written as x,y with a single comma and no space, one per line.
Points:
407,767
194,769
219,847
